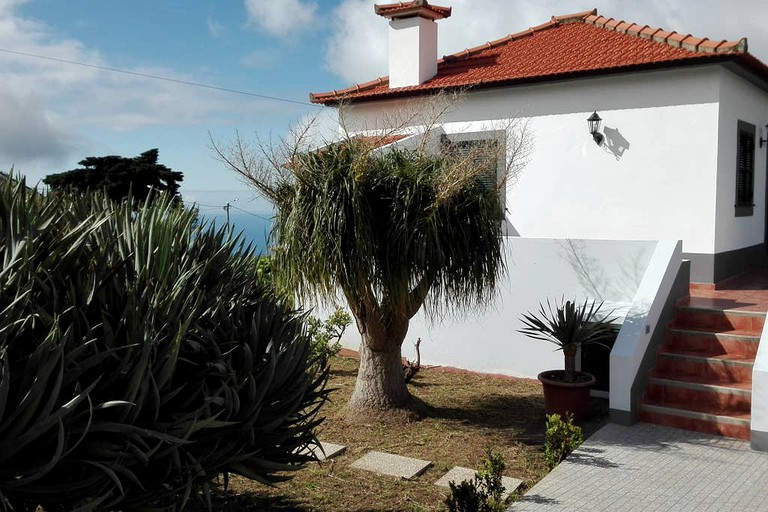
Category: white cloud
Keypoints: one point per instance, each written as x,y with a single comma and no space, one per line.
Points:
357,48
260,59
49,110
28,133
215,28
282,18
7,5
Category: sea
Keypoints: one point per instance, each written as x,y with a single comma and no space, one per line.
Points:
248,214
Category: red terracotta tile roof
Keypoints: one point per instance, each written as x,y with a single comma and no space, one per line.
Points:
414,8
580,44
379,141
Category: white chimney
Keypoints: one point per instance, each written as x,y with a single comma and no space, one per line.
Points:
412,40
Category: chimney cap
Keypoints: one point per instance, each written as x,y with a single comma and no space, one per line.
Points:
420,8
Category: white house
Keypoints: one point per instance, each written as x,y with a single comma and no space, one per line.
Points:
683,120
680,158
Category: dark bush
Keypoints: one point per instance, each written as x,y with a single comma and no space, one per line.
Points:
140,357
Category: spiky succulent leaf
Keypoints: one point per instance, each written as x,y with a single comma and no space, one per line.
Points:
140,357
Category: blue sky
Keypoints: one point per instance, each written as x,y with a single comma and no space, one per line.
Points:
54,114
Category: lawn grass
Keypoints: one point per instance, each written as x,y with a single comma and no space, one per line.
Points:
469,412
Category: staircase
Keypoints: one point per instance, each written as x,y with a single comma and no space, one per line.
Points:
702,380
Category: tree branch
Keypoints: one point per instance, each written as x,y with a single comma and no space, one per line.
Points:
419,294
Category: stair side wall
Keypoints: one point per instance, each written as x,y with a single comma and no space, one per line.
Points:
658,337
759,425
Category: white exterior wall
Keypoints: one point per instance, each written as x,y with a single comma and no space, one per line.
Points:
663,187
537,270
739,100
412,51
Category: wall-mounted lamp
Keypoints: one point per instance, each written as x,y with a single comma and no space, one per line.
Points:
594,123
764,140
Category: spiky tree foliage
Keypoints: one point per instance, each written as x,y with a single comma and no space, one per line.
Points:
140,357
119,176
395,231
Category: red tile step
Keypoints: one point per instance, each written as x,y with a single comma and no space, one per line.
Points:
712,394
708,366
692,316
702,380
699,419
712,342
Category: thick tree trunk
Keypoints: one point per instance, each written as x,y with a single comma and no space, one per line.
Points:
380,383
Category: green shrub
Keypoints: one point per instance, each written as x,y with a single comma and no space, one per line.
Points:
140,357
561,438
326,334
484,493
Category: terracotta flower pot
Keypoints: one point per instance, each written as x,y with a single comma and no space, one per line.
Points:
562,397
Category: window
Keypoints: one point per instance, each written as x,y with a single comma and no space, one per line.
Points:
487,149
745,169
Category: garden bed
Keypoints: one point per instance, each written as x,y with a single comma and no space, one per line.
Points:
469,412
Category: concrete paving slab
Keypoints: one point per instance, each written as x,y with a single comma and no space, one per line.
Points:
391,465
331,450
459,474
648,467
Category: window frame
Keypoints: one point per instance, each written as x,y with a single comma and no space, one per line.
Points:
745,206
500,136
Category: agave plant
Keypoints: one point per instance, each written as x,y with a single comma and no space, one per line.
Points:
569,326
140,357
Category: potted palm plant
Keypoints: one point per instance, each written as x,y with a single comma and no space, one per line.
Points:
570,326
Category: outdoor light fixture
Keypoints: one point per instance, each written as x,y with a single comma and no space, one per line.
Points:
594,123
764,140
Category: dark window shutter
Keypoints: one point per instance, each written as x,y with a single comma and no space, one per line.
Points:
745,168
485,152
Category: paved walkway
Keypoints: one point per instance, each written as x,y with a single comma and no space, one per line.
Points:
646,467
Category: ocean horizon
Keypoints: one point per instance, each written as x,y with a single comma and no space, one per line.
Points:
248,214
254,229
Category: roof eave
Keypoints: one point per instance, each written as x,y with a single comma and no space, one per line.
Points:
750,68
732,61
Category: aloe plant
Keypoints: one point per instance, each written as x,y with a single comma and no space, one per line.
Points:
140,357
569,326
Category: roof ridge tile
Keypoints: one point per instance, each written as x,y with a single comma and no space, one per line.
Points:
635,29
662,36
575,17
649,32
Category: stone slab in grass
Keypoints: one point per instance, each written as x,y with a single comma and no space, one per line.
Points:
331,450
459,474
391,465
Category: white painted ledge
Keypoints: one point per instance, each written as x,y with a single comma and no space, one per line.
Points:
759,426
642,317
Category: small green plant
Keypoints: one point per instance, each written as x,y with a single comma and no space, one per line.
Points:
264,271
561,438
485,492
326,334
